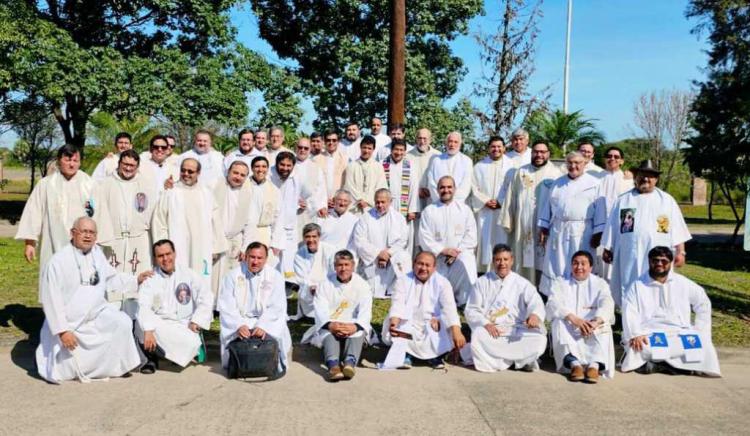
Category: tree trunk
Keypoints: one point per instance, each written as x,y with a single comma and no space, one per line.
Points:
32,161
711,202
725,189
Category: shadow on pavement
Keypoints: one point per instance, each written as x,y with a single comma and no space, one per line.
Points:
22,355
27,319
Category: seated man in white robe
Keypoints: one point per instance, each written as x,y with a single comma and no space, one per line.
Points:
343,308
448,230
108,166
312,264
380,240
506,316
581,311
423,322
337,228
173,307
83,337
657,331
252,303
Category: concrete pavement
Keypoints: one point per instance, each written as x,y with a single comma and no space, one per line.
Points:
200,400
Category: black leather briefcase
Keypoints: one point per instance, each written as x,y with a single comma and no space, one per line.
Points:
254,357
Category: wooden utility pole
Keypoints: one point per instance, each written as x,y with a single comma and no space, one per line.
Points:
397,73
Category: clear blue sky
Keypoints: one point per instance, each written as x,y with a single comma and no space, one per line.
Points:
619,49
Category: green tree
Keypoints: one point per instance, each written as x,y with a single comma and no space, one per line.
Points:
103,128
559,130
340,51
720,147
37,134
179,60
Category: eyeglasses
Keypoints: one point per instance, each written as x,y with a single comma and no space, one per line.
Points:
331,140
159,147
663,260
613,156
186,171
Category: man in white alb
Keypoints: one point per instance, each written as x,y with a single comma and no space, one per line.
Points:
108,166
350,144
448,230
587,151
157,164
520,152
451,163
245,151
332,163
212,162
338,226
276,146
404,187
376,131
312,264
364,176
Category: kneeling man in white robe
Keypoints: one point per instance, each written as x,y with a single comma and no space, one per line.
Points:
83,337
506,316
252,303
449,231
658,333
581,311
312,264
343,308
173,306
380,239
423,322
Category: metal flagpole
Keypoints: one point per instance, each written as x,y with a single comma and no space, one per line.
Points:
567,57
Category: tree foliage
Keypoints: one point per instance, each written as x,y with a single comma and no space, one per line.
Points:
720,147
340,49
560,130
508,64
134,58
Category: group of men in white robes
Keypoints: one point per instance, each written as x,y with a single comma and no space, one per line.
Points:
525,224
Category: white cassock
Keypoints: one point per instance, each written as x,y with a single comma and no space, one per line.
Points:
333,167
404,187
254,300
451,225
264,213
594,170
72,290
663,313
381,140
233,205
212,166
362,179
639,222
310,270
286,236
106,167
189,217
167,304
272,153
51,209
159,173
337,230
123,213
374,233
587,299
528,191
421,162
383,153
612,185
459,166
416,304
506,303
520,159
350,148
341,302
237,155
313,191
490,182
569,216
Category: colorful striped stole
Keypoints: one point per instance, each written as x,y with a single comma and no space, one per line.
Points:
405,182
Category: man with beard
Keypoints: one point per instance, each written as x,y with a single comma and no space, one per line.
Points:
666,322
350,144
211,161
528,191
245,151
286,236
451,163
376,131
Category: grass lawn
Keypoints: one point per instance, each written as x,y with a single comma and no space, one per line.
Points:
722,214
726,277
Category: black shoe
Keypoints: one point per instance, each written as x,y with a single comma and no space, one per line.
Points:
648,368
148,367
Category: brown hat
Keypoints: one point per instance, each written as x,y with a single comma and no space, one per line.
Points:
645,167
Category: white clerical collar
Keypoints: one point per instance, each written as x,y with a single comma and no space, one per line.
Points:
580,282
163,273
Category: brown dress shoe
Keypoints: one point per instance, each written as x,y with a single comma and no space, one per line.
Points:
348,371
335,374
576,373
592,374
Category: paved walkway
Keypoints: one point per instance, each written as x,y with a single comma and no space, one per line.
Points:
200,400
